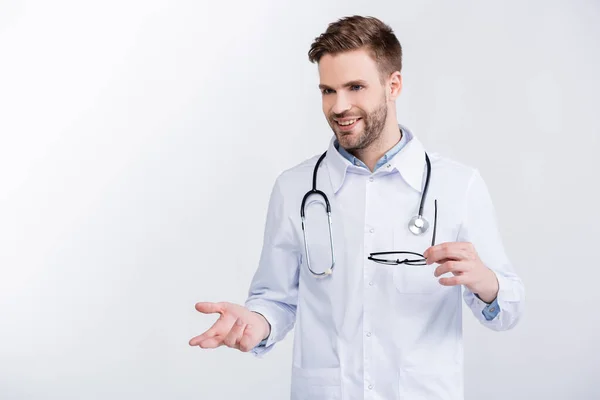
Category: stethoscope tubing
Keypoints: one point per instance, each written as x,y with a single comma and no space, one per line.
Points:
315,191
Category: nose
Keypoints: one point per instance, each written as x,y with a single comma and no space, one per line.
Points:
341,104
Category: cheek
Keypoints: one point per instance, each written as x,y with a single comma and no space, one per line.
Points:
326,106
364,105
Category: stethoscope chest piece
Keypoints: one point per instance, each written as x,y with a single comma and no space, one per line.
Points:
418,225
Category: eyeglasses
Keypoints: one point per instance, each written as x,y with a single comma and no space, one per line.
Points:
405,257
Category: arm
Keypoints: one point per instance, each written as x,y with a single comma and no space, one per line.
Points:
504,298
274,288
491,288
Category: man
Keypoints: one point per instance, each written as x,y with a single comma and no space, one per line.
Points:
376,326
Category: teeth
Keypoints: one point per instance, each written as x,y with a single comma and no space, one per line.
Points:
347,122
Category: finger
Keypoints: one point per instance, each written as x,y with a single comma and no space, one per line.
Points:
235,334
453,280
444,260
213,331
219,328
212,343
209,308
446,251
455,267
465,246
248,340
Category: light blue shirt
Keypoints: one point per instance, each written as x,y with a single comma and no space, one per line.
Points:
386,157
492,309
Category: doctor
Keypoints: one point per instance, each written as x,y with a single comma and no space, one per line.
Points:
376,307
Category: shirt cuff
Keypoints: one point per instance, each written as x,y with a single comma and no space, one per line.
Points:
266,344
488,310
491,310
263,342
505,292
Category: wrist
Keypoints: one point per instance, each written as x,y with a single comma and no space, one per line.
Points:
265,325
489,290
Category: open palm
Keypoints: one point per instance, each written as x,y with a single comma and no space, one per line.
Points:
237,327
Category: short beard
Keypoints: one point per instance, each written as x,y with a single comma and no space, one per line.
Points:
374,123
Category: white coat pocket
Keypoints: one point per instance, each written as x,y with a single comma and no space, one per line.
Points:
418,278
316,384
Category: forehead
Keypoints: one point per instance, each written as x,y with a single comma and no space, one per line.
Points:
337,69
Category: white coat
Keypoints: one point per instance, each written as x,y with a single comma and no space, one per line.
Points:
373,331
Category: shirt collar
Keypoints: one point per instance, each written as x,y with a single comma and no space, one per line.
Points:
385,158
409,162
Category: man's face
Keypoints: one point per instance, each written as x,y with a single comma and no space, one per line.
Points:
354,99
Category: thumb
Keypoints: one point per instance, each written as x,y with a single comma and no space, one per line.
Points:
208,308
250,338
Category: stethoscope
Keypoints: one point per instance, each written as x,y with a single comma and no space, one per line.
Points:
417,224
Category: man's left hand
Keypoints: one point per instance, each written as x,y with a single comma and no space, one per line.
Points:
462,260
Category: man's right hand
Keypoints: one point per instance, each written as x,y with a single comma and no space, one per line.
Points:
237,327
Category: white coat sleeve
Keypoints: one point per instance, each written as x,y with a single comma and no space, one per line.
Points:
479,227
274,288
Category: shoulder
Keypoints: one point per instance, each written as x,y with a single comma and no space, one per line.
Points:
298,176
451,170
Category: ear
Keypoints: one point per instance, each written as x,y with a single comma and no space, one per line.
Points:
395,85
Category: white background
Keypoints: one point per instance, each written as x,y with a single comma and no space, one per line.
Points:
140,141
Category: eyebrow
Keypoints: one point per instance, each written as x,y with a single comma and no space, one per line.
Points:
347,84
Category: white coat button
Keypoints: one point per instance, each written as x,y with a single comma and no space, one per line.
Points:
370,283
370,387
371,230
368,334
371,179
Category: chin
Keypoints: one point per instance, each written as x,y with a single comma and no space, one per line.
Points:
349,137
347,142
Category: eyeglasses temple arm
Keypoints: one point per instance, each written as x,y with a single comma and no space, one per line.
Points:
434,223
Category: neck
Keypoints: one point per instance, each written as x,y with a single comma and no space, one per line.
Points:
390,136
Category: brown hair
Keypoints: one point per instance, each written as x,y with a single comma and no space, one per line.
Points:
356,32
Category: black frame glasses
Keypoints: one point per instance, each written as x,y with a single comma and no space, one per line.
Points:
417,259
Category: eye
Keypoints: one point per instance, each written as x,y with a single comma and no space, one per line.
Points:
356,88
326,91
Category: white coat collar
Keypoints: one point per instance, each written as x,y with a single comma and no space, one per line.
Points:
409,162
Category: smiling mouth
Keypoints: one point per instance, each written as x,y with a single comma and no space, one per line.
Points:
348,123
